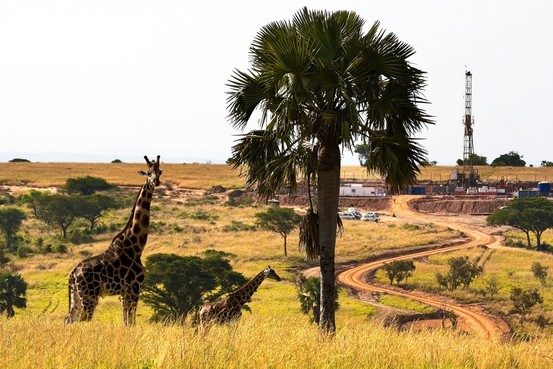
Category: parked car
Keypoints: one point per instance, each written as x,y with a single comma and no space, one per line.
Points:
346,215
355,212
370,217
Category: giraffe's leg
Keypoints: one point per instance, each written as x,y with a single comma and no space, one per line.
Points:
89,305
130,302
75,304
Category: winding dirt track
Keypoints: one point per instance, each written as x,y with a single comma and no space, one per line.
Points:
479,322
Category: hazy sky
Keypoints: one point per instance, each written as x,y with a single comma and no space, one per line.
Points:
95,80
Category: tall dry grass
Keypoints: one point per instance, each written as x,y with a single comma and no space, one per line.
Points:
283,341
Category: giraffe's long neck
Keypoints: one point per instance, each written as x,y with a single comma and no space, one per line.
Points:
244,293
139,221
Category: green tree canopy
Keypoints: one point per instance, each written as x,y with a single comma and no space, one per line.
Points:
399,270
13,290
58,211
511,159
531,215
523,300
87,185
92,207
176,286
323,83
546,163
32,199
473,159
279,220
461,272
10,222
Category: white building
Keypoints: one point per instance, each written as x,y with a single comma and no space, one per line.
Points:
358,189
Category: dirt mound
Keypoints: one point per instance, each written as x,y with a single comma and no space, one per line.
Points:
365,203
458,206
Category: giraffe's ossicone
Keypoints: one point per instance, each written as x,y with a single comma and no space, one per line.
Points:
229,308
118,270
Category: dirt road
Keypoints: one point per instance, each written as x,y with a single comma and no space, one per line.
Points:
478,321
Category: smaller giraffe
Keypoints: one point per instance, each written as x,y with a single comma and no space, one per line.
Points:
229,308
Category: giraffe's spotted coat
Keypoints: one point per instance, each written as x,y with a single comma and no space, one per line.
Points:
118,270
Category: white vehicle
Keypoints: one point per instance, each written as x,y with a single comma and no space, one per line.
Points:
355,212
370,217
346,215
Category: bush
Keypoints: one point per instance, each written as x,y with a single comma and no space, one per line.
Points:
176,286
60,248
87,185
461,273
79,236
524,300
203,215
399,270
116,161
236,226
19,160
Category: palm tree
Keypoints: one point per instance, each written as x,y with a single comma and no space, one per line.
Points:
321,85
13,289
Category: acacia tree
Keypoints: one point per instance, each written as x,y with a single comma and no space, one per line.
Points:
322,84
530,215
279,220
58,211
94,206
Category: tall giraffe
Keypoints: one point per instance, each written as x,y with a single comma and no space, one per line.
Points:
230,308
118,270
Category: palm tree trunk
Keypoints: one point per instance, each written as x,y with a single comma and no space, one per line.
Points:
328,195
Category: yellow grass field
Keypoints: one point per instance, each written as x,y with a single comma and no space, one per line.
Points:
203,176
283,340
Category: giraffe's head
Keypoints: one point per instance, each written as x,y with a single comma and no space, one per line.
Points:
153,172
270,273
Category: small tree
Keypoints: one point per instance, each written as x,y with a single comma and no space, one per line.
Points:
461,272
94,206
399,270
279,220
32,199
13,290
309,296
530,215
58,211
176,286
546,163
524,300
511,159
491,286
116,161
87,185
540,272
10,222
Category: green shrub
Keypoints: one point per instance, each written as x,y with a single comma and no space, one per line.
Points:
237,226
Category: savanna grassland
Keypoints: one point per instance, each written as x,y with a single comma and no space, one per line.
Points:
274,335
510,267
201,176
